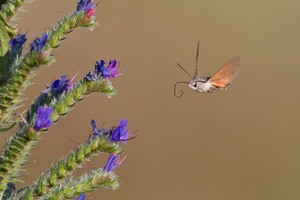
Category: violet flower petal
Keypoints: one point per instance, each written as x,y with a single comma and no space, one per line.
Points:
43,119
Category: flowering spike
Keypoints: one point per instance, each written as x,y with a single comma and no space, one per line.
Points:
87,182
43,119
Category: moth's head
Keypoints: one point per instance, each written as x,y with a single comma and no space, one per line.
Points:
198,83
193,84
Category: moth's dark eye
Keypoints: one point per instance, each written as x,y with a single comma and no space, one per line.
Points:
195,84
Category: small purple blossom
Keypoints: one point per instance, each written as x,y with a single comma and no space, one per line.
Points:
39,43
81,197
113,162
61,85
109,71
96,131
17,42
87,7
120,134
43,119
101,71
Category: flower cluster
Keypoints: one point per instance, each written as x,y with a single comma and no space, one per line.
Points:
87,7
38,44
109,71
118,134
102,71
61,85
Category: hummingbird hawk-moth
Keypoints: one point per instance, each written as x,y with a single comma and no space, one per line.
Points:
220,80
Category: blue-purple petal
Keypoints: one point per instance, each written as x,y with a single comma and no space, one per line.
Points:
81,197
111,163
43,119
95,130
61,85
17,42
39,43
120,134
123,122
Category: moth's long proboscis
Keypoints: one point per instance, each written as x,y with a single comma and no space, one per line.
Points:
180,92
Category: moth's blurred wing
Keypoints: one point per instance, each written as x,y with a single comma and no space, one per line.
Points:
225,76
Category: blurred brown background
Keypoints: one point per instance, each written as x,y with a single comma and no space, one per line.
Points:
242,143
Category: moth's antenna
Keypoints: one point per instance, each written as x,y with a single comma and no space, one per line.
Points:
197,56
184,70
180,92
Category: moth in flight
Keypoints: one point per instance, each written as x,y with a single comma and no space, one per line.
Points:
222,79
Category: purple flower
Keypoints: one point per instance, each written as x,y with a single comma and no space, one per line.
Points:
113,162
61,85
120,134
17,42
39,43
81,197
87,7
109,71
95,130
43,119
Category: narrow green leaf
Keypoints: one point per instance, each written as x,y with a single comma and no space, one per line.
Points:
8,128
